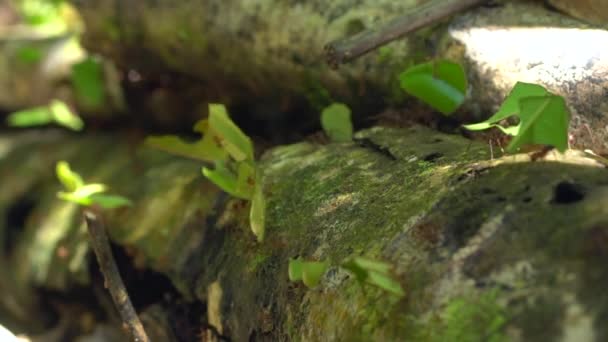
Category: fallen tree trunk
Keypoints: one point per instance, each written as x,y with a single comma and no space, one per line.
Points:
485,250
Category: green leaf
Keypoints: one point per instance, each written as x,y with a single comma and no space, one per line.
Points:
544,121
63,116
70,179
205,149
376,273
510,107
223,177
257,214
37,116
295,269
87,190
441,84
71,197
87,78
312,272
231,138
336,122
386,283
110,201
246,179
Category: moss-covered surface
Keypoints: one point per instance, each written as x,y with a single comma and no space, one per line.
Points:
505,250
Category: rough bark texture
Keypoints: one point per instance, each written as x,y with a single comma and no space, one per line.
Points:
486,250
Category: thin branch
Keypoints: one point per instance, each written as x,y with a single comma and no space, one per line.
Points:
348,49
112,280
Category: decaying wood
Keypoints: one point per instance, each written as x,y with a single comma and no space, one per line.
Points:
483,249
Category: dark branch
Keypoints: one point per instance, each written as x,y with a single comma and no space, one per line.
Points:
112,280
348,49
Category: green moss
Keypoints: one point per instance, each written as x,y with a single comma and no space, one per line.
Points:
471,319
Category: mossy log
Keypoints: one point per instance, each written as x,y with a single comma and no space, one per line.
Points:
505,249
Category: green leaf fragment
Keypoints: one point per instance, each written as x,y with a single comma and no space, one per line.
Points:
110,201
37,116
312,272
336,122
544,121
543,118
510,107
295,269
441,84
70,179
57,111
85,194
232,139
223,177
87,78
375,273
257,214
63,116
246,180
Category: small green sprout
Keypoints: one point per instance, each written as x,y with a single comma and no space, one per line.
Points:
336,122
375,273
309,272
543,118
56,112
85,194
440,84
231,151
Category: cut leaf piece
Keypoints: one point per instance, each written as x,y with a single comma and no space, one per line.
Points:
205,149
441,84
110,201
37,116
375,273
68,178
257,214
87,78
510,107
224,178
234,141
295,269
246,179
336,122
312,272
63,116
544,121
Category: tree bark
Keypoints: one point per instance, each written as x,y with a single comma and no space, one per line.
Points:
485,250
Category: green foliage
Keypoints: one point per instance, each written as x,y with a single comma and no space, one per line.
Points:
231,151
56,112
375,273
309,272
441,84
85,194
543,118
336,122
87,79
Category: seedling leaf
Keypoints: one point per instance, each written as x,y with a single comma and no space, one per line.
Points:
246,179
386,283
336,122
441,84
37,116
